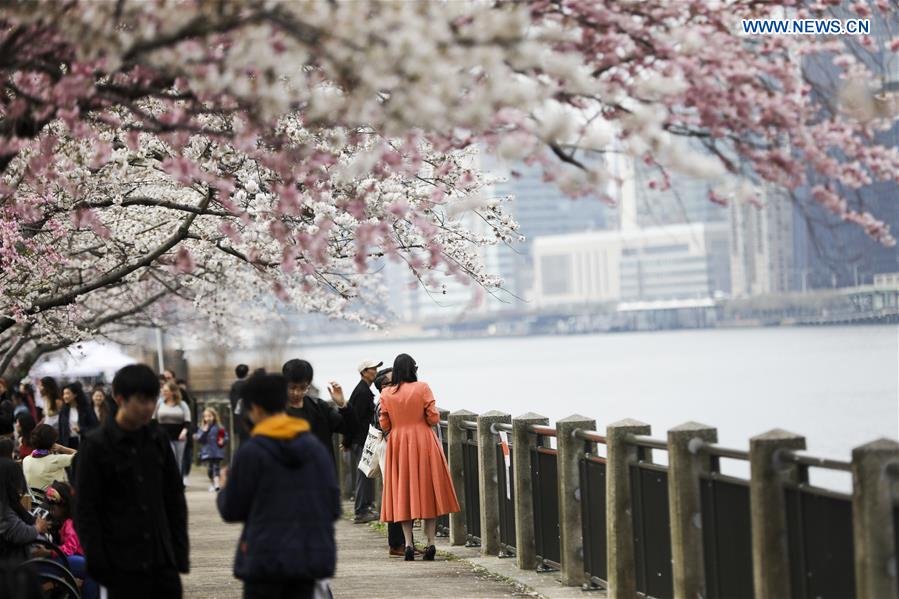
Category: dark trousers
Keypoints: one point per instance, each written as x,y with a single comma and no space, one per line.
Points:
395,536
213,468
187,459
161,584
295,589
364,489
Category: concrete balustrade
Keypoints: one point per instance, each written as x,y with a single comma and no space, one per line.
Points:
875,471
571,527
523,443
621,454
686,464
773,466
488,480
770,472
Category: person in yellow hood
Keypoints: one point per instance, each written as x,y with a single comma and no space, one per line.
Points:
282,486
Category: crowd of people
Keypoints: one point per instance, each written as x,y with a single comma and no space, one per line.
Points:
108,472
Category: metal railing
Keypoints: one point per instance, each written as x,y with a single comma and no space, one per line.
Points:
544,473
726,527
820,558
652,523
593,507
506,496
472,484
819,533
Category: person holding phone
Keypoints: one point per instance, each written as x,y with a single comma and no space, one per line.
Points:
323,420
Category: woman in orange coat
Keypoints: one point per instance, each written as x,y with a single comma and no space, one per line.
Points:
417,483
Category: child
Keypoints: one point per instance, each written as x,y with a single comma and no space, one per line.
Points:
60,498
282,486
212,438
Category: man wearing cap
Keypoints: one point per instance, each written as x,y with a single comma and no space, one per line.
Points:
362,402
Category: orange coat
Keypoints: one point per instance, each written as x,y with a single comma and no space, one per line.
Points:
417,483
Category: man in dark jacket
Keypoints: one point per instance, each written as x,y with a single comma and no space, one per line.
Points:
322,418
240,425
282,486
131,516
362,402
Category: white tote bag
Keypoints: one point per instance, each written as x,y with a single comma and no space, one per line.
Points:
369,463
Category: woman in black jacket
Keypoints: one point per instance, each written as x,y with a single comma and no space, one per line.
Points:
77,417
18,528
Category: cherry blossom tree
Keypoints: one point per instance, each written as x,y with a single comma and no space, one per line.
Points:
226,151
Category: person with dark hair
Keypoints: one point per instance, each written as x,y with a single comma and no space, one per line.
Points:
323,419
173,415
18,528
395,539
240,425
27,392
188,458
7,426
6,449
76,418
283,487
362,402
417,483
49,460
100,404
131,514
61,501
52,398
24,425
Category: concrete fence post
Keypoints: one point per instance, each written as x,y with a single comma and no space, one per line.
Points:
455,436
769,473
873,483
523,441
686,463
622,568
571,527
488,481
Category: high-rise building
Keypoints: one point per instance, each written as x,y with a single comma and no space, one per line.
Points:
761,246
655,263
540,209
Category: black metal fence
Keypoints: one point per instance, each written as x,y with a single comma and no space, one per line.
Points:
593,504
472,487
505,481
652,529
727,536
443,521
545,472
819,525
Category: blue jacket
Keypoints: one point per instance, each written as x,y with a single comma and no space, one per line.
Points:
208,440
282,486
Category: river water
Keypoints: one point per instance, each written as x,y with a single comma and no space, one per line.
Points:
838,386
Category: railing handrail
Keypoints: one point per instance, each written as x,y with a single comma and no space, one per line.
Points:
644,441
502,426
470,425
586,435
725,452
543,431
806,460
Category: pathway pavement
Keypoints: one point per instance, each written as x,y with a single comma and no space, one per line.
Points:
363,566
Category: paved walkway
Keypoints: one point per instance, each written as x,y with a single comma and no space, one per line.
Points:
363,570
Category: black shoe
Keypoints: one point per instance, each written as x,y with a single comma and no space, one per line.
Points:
410,554
430,552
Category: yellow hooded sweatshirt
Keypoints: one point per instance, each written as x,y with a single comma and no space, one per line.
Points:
281,427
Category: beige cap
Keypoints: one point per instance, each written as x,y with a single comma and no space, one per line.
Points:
369,364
